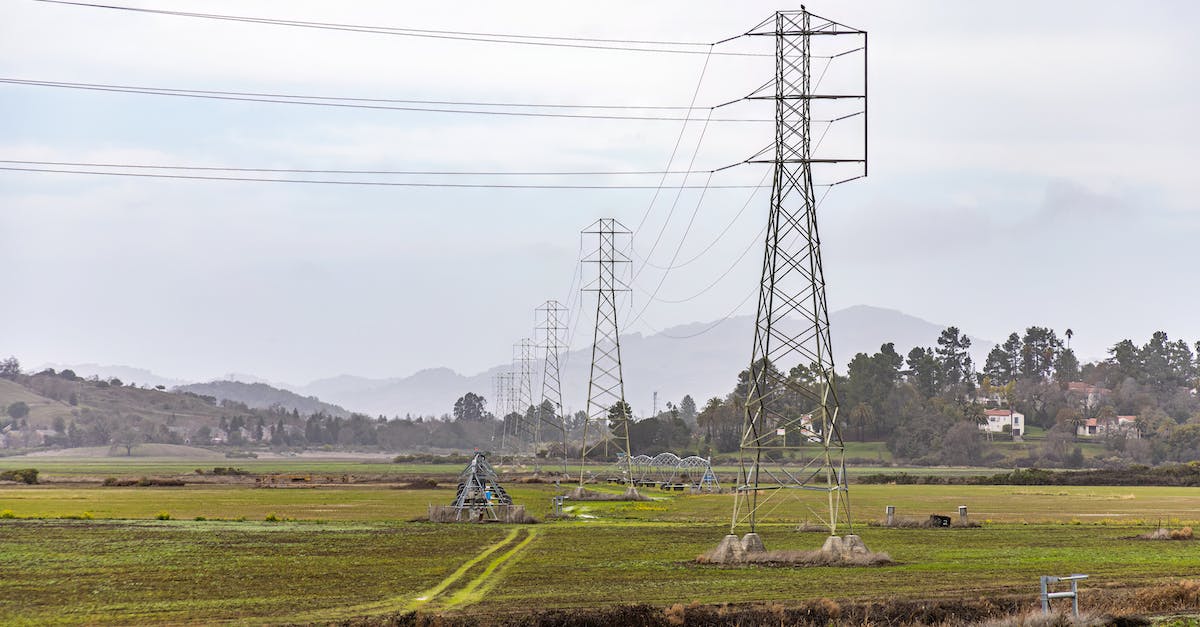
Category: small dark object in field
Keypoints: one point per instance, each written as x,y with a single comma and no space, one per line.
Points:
417,484
230,471
144,482
584,494
939,521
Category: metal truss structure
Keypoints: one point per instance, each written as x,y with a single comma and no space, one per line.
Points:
499,405
552,317
525,429
479,491
791,397
504,390
606,387
668,468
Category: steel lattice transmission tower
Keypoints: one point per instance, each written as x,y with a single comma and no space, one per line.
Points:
606,387
552,317
499,389
791,401
523,374
503,383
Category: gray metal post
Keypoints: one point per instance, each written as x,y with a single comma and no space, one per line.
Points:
891,515
962,514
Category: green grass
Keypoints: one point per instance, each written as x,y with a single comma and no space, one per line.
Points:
335,552
1017,504
178,571
74,468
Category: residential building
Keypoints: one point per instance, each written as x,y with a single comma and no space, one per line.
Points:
998,419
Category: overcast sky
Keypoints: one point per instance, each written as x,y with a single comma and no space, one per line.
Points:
1031,163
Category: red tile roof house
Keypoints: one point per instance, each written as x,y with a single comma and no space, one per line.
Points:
997,419
1122,426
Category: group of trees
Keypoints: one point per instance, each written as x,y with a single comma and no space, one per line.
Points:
925,413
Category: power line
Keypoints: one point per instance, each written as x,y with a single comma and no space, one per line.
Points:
360,99
720,236
361,172
199,177
590,43
756,239
315,101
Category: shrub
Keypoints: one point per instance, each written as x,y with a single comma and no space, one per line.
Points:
24,475
201,518
163,516
230,471
271,518
8,513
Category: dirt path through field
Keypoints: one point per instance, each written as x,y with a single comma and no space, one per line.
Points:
478,587
449,592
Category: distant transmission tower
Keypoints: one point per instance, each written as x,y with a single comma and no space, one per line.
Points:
498,405
502,383
552,317
523,373
606,387
792,403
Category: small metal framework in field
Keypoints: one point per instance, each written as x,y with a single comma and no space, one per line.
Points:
479,492
668,470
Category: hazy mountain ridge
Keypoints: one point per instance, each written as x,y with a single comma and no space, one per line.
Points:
669,362
702,359
263,396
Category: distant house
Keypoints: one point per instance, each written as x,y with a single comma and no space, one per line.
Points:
997,419
1121,426
1089,395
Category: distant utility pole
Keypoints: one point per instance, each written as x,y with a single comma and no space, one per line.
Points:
552,322
654,405
606,387
792,410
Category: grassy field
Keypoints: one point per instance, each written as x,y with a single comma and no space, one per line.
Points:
98,468
74,553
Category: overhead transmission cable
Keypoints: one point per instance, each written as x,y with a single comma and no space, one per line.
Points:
756,239
386,104
231,178
142,166
721,235
590,43
675,148
737,307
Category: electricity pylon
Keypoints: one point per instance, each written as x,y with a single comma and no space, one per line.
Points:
606,387
502,382
791,402
499,405
526,430
552,323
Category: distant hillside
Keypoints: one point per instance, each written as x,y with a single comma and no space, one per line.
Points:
263,396
699,359
67,411
126,374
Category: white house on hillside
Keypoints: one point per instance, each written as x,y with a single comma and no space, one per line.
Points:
997,419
